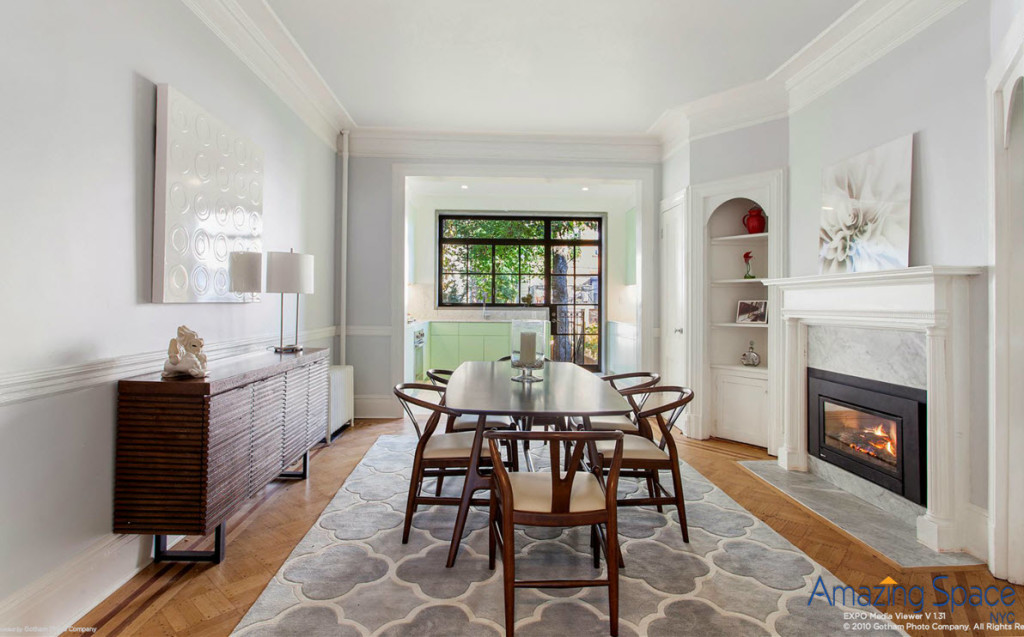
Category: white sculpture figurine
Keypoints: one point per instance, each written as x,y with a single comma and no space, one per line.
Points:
185,355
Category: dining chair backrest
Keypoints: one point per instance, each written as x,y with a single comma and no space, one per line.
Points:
576,442
439,376
633,380
662,404
429,397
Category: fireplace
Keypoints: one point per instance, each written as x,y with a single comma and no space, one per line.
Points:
873,429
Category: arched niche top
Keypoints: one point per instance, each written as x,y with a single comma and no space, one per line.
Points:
1012,100
727,219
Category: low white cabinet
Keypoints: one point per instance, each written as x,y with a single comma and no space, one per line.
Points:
741,404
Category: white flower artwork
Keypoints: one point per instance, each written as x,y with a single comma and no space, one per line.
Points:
865,211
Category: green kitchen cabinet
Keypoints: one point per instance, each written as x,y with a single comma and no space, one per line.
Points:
452,343
444,351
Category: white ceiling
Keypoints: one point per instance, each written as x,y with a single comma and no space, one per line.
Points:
543,66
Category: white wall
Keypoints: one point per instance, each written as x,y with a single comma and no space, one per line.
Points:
75,247
1003,12
933,86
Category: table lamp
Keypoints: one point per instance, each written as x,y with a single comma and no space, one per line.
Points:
246,272
289,273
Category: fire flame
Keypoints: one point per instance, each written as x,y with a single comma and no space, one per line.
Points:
885,443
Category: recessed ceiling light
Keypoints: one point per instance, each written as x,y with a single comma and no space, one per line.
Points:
585,188
465,187
827,208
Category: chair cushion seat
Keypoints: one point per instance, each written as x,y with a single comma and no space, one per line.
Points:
608,423
633,448
468,423
531,492
453,445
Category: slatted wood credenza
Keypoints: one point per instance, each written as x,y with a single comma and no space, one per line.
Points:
190,450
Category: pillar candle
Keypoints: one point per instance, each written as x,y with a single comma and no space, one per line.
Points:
528,347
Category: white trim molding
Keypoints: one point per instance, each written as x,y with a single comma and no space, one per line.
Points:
255,34
1006,365
21,386
864,34
930,299
769,190
410,144
869,30
68,592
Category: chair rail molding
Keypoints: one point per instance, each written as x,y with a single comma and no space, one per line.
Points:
930,299
1005,504
32,385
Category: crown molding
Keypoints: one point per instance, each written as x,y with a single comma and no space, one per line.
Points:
868,31
863,35
411,144
255,34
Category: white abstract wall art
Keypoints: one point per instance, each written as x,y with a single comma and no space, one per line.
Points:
865,210
208,202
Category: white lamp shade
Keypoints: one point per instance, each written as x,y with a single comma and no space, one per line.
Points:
246,270
289,272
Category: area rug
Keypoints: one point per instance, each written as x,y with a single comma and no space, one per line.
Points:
352,576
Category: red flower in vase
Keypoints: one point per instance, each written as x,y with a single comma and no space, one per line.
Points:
747,256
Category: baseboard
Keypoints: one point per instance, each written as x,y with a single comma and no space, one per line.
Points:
56,600
975,529
377,406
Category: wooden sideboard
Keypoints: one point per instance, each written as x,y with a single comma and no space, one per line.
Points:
190,450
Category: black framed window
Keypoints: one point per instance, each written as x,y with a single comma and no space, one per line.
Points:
528,260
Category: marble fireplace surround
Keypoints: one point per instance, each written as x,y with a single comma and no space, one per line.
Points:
929,299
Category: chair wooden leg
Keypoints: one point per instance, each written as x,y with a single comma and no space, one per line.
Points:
508,563
613,575
652,487
595,546
492,541
677,483
440,484
415,483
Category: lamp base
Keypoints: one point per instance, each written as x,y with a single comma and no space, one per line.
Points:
288,349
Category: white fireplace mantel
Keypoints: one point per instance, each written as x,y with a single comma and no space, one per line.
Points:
930,299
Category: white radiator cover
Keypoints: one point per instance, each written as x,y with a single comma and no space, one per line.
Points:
342,404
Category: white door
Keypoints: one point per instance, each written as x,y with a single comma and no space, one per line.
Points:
673,298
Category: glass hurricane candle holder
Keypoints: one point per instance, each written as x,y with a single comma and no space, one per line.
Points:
527,350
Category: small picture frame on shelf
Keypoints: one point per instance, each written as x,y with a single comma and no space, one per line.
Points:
752,312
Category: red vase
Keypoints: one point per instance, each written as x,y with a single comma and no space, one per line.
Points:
754,221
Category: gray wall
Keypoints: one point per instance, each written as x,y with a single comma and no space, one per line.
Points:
740,152
77,160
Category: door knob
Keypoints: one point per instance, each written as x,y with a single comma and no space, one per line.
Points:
679,330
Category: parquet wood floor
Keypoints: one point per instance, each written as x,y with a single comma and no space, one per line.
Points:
208,600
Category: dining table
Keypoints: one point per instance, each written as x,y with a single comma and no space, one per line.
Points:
485,389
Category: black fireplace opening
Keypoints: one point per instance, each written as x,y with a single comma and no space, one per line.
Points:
871,428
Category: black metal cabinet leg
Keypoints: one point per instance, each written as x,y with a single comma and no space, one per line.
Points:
161,554
301,474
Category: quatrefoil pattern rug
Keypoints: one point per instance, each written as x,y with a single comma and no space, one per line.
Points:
352,576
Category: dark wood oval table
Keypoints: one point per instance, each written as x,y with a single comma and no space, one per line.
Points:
482,389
